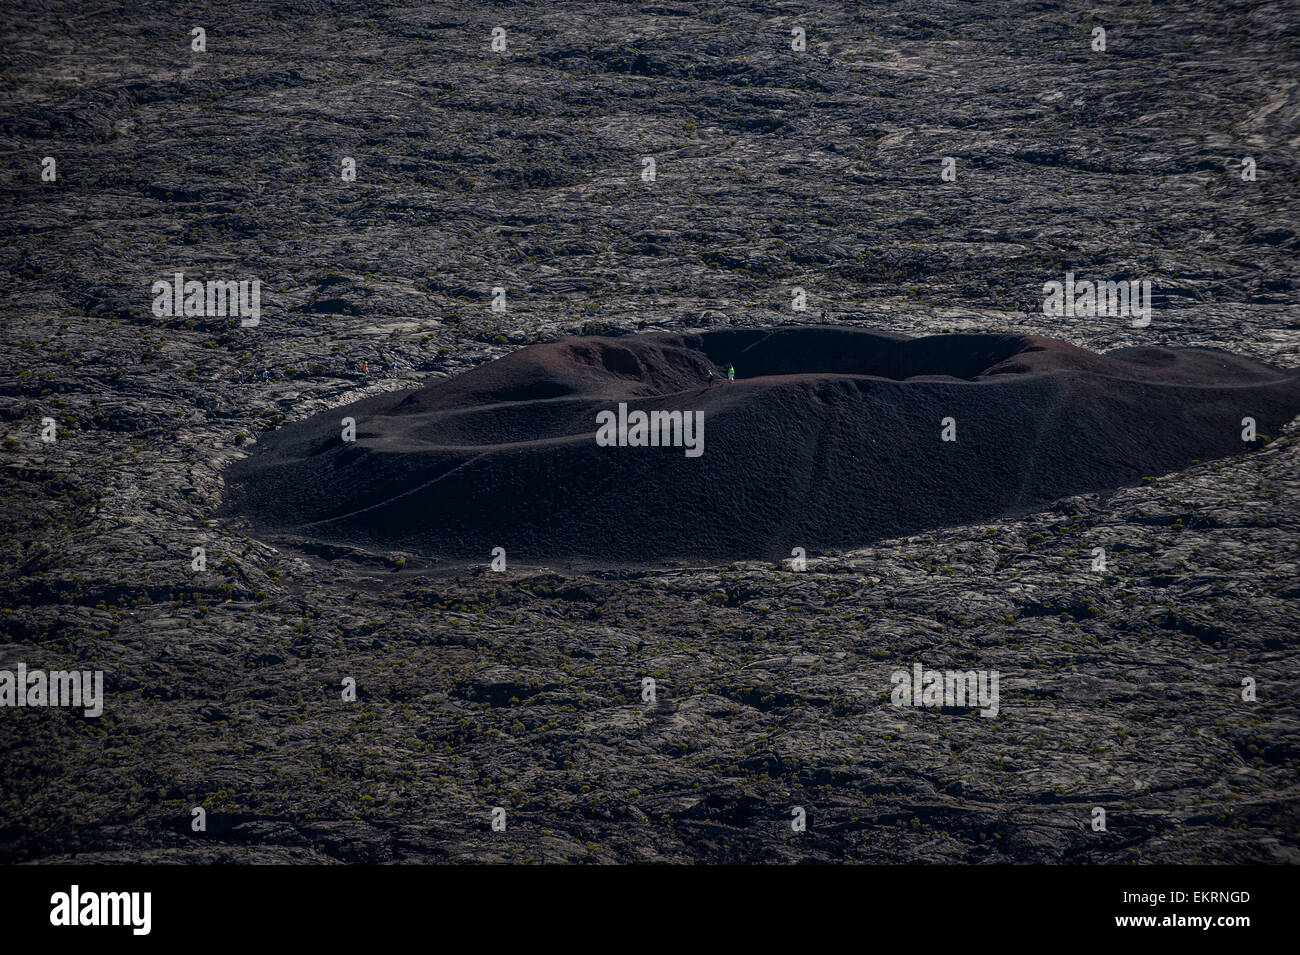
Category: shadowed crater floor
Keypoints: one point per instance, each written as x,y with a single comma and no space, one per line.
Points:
829,438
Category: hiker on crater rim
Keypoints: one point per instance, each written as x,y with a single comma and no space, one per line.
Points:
731,372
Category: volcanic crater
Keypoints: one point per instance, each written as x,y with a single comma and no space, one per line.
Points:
830,437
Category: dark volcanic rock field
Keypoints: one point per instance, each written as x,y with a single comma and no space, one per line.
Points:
775,170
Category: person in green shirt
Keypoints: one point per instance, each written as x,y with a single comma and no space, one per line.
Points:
731,372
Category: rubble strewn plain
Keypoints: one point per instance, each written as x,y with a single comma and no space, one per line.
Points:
775,171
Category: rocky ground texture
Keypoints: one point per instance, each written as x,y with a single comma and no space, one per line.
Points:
523,170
